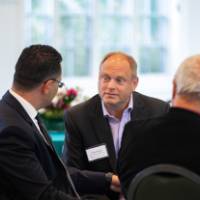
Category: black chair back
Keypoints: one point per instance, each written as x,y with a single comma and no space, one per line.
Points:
165,182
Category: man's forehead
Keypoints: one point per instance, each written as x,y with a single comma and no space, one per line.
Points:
116,58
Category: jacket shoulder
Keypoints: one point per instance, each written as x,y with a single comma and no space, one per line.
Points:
149,99
151,102
87,106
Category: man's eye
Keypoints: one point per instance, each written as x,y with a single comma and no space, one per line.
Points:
120,80
106,78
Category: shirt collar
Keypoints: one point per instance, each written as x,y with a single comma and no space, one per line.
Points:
32,112
129,108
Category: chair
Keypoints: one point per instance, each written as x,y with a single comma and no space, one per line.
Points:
165,182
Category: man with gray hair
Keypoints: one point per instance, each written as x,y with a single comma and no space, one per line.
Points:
172,138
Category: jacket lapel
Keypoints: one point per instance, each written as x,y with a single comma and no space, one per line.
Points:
12,102
103,132
139,110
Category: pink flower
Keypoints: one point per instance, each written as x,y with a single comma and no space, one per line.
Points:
63,99
71,92
60,103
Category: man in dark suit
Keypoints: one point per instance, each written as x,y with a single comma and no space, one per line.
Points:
172,138
29,165
95,127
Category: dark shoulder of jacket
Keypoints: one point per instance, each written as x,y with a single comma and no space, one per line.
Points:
85,105
150,100
141,125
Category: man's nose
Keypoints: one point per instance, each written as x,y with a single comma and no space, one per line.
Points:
112,83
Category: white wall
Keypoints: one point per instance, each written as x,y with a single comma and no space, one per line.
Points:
11,39
185,40
190,25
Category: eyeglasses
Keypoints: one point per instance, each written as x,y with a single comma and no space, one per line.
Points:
60,83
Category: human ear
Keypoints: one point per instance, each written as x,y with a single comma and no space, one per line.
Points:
46,86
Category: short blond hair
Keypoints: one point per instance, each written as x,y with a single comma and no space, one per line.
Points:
130,59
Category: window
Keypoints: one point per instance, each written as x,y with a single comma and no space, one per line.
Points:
152,17
85,30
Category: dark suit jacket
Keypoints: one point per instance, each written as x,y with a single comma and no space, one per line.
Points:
86,127
173,138
29,168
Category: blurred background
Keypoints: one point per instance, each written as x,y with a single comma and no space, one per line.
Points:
159,34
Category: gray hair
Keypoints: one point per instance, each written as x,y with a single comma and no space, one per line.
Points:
187,78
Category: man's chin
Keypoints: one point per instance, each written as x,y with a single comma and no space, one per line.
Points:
110,102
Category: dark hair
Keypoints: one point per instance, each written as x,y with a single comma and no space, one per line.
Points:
130,59
36,64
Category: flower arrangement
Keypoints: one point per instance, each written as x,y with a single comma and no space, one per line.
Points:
59,104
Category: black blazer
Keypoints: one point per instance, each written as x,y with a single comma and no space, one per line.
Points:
173,138
86,127
29,168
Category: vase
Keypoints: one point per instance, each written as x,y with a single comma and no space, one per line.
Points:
54,124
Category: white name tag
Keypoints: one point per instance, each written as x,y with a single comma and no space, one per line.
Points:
97,152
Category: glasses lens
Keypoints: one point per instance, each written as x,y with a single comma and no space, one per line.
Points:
60,84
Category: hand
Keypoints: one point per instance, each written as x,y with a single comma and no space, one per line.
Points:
115,184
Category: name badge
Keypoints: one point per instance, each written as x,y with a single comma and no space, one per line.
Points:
97,152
